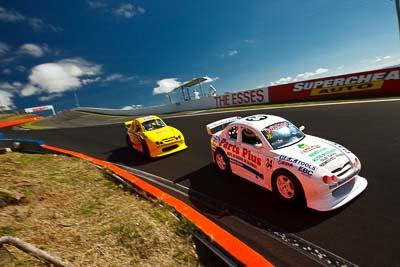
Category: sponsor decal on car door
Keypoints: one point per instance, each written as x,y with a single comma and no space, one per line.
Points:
247,160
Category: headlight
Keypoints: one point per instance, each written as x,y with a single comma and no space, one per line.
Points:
329,179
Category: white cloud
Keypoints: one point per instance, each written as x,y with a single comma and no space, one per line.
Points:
377,62
90,80
33,50
128,11
166,86
29,90
132,107
96,3
249,41
300,76
6,101
12,16
49,97
10,87
20,68
282,80
145,82
60,76
232,52
378,59
7,15
4,48
119,78
7,71
7,91
113,77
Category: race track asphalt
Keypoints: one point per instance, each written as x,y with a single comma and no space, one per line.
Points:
365,232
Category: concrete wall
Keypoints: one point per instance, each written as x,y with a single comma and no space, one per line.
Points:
249,97
198,104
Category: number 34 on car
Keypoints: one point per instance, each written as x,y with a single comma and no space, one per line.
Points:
273,153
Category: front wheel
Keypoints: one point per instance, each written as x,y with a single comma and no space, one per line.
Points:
222,161
145,149
287,187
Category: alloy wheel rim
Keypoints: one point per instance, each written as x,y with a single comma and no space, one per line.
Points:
285,186
220,161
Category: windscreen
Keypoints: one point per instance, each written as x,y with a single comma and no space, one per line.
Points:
153,124
282,134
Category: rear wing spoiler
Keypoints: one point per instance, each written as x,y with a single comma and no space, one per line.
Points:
221,124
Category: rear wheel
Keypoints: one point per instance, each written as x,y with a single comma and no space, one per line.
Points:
128,141
222,161
287,187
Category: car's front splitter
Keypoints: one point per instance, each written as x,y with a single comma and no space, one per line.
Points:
339,196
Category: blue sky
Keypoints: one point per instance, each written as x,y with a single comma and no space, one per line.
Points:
122,53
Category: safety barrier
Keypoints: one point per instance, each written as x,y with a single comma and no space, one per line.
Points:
16,122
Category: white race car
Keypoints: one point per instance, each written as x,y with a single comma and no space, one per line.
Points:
273,153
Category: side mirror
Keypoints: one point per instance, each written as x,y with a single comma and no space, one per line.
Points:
128,125
302,127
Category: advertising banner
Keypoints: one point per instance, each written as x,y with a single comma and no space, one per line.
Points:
376,82
249,97
39,109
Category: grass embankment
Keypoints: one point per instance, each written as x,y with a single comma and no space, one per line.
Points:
14,117
72,210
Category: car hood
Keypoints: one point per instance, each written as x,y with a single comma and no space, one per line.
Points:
317,152
162,133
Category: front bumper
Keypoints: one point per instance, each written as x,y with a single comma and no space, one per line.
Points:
339,196
163,150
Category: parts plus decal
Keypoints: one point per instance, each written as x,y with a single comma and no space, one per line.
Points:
268,164
243,154
246,167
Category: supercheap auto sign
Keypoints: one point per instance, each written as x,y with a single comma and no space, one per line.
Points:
384,81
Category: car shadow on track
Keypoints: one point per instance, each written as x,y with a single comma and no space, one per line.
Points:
248,201
129,157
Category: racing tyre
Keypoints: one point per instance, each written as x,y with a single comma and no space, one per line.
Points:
222,161
128,141
287,187
146,150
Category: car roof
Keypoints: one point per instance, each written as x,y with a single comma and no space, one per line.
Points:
147,118
259,121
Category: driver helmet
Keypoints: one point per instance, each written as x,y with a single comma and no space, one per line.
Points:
248,133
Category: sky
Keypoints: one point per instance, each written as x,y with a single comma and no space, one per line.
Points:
122,53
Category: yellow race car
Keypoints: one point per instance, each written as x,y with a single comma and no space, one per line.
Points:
153,137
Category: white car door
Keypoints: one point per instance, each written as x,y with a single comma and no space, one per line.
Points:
249,161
